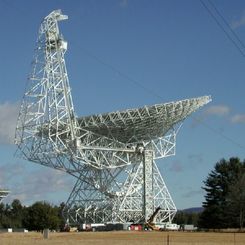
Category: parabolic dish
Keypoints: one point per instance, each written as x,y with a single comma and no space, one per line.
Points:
3,193
142,124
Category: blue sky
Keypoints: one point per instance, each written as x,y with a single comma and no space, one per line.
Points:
124,54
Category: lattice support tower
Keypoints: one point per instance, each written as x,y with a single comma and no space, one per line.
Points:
112,155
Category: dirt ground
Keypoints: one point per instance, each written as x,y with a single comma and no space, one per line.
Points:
124,238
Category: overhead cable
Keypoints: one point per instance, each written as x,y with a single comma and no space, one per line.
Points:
224,26
153,93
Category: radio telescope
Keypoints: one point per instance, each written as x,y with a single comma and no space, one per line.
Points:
112,155
3,193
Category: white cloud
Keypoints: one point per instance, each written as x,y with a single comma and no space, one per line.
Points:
239,118
215,110
51,180
9,171
240,22
35,185
8,117
218,110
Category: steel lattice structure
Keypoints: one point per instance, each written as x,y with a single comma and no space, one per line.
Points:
3,193
112,155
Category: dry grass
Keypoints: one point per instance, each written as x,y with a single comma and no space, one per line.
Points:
124,237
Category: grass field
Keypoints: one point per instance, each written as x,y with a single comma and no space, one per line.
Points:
124,238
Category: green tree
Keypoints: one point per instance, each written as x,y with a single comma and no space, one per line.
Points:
40,216
186,218
16,214
236,201
3,218
217,205
6,219
180,218
62,222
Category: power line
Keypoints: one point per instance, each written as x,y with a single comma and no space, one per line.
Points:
235,37
235,43
154,94
210,128
227,24
214,130
150,91
120,73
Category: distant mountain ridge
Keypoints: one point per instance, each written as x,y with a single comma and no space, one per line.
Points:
192,210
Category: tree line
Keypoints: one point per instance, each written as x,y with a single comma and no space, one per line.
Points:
38,216
42,215
224,205
186,218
